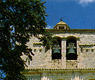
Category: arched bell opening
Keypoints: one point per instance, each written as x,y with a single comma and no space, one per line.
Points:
56,49
71,48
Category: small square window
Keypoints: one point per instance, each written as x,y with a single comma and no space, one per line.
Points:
34,50
92,50
28,62
87,50
81,49
40,50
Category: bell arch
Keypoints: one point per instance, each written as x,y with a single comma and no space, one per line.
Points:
56,49
71,48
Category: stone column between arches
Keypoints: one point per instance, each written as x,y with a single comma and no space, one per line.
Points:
63,52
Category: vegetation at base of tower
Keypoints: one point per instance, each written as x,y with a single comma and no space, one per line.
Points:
19,20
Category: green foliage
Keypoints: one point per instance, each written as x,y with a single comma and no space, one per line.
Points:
19,19
2,75
48,40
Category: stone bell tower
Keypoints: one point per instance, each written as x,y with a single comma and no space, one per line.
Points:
72,56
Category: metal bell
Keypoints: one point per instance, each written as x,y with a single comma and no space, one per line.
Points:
56,50
71,50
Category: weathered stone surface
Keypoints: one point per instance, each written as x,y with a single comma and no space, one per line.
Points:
61,75
85,59
62,69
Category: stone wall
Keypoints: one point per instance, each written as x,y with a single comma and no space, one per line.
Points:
85,52
61,75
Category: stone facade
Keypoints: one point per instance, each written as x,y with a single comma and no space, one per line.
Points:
64,74
82,68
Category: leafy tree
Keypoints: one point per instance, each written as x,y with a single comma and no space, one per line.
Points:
2,75
19,20
48,40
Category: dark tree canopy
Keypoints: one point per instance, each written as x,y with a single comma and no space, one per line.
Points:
19,19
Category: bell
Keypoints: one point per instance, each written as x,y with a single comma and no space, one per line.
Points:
56,50
71,50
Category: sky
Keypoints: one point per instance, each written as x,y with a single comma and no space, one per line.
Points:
78,14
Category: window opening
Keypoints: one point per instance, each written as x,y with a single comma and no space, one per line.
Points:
92,50
28,62
40,50
56,50
81,49
34,50
71,49
61,27
87,50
